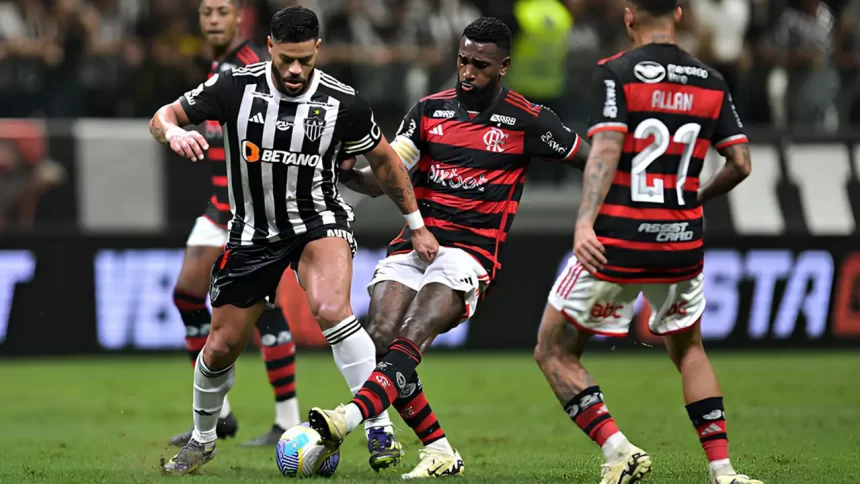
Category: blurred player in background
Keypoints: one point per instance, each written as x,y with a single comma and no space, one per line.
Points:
470,149
284,124
657,110
220,21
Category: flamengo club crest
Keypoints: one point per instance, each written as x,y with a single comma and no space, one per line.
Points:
495,140
314,125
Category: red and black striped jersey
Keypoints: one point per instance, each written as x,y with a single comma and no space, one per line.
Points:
468,169
218,209
672,109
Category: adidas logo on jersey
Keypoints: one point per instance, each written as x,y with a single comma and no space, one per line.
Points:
437,130
258,118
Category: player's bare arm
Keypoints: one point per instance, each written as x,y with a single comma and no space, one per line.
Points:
166,127
394,180
581,156
599,171
359,180
738,166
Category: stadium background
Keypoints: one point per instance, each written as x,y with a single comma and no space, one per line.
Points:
94,214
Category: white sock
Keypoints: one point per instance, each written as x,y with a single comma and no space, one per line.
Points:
614,447
287,413
210,388
442,445
225,408
355,357
722,467
353,417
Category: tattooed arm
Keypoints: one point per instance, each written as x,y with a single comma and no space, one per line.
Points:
393,177
599,172
738,166
362,180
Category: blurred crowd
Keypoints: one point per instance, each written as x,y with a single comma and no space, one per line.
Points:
787,61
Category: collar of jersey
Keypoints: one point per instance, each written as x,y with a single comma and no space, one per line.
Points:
305,97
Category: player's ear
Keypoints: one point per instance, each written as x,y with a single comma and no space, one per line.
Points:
318,44
629,18
503,69
679,12
269,43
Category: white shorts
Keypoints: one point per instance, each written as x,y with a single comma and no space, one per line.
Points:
452,267
207,234
606,308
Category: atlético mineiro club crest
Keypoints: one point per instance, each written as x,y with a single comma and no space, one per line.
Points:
315,124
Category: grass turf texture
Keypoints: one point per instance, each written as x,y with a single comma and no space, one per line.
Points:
792,418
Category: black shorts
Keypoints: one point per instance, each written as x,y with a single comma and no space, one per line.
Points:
247,274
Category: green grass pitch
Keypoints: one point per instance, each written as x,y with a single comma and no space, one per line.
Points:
792,418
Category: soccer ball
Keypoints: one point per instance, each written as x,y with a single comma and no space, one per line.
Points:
299,453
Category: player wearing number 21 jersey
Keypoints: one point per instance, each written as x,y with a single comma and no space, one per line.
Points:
657,111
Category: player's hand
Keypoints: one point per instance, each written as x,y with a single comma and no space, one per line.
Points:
187,144
347,163
587,249
425,244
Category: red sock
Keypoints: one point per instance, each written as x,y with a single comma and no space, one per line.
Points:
389,378
279,353
416,412
196,318
589,412
709,418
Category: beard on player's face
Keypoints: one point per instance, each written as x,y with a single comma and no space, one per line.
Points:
475,97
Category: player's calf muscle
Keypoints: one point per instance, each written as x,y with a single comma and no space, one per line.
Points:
388,304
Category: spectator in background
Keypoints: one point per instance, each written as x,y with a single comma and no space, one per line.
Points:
31,46
113,57
175,57
802,43
848,60
25,173
727,22
441,23
693,37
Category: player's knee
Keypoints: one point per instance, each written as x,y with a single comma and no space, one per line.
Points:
329,314
222,348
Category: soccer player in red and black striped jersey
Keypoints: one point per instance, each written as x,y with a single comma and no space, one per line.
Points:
468,149
220,22
657,111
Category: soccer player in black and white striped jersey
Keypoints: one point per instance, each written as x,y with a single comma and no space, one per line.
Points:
284,124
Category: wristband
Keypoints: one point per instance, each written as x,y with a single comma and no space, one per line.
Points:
414,220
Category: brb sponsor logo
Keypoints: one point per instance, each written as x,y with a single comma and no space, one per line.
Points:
448,177
610,106
607,310
495,140
552,143
673,232
253,153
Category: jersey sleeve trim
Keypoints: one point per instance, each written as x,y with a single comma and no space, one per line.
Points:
576,145
732,140
368,143
407,151
600,127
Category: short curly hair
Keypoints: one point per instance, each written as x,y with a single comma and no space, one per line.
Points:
489,29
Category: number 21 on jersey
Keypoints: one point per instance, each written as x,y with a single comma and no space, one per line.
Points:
686,135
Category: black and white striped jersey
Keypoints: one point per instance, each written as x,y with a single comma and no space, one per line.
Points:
281,151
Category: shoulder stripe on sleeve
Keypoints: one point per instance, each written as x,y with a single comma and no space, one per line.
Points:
600,127
732,140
